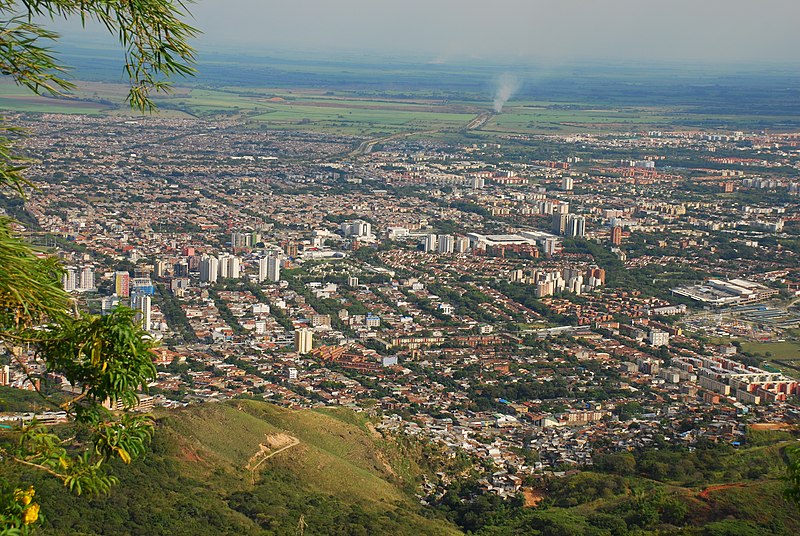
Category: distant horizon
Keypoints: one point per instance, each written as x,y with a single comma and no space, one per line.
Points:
718,33
102,43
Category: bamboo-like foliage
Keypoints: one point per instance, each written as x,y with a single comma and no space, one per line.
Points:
104,358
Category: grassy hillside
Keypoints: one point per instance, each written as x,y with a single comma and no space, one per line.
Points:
246,467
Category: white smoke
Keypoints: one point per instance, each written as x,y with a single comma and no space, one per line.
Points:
507,85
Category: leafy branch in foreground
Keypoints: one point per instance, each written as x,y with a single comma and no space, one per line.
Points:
103,359
152,32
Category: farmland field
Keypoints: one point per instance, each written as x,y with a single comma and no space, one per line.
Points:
379,99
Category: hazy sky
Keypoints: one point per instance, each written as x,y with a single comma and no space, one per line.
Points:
513,30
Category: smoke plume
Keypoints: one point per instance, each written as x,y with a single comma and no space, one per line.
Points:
507,85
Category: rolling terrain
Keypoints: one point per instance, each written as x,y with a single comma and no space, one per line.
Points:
249,467
246,467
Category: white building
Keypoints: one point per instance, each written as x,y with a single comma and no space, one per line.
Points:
658,338
446,244
274,268
223,266
430,242
234,267
209,269
70,279
262,269
357,228
303,341
87,278
142,304
397,232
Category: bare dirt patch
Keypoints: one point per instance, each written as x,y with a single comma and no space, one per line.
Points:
190,455
533,497
273,444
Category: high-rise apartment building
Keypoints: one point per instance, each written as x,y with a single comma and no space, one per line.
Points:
70,279
87,279
122,284
575,226
142,304
616,235
461,244
274,268
446,244
430,243
303,341
209,269
559,224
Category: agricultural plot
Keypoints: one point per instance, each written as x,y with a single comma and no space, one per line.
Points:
383,114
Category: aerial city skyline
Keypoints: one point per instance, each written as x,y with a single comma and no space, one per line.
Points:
507,268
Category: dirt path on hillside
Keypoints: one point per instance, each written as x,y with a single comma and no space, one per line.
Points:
706,493
272,445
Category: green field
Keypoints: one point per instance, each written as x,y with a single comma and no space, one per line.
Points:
779,350
17,99
787,350
359,113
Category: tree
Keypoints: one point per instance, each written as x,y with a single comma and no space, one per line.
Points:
793,474
105,358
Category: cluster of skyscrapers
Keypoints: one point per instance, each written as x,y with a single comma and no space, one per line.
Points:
549,282
214,268
75,280
571,225
445,243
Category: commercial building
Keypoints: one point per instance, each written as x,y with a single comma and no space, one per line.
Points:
356,228
731,292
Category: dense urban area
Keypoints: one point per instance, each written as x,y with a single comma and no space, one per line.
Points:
534,303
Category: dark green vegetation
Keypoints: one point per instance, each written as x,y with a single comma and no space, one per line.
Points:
714,490
207,473
14,400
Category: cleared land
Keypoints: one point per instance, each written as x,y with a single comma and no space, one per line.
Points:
778,350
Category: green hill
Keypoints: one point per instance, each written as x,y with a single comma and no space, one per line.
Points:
247,467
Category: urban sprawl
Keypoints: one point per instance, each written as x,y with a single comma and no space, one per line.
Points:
529,312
